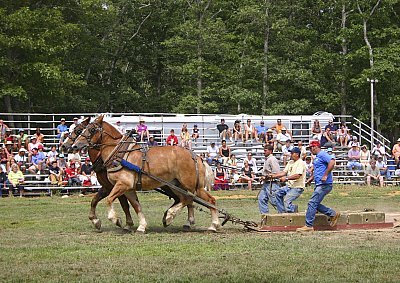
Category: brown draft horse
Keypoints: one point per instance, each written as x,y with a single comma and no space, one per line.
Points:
106,186
170,163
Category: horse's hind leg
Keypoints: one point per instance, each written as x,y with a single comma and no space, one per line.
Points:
132,197
215,224
125,207
190,220
175,208
118,189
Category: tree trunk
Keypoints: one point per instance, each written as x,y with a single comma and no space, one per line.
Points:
343,84
265,69
9,109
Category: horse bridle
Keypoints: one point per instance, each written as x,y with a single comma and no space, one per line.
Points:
92,129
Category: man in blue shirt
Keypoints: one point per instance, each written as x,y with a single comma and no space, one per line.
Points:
323,166
261,132
61,128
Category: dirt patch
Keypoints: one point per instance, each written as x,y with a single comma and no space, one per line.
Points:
394,193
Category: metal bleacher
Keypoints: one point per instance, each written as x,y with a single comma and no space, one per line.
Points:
160,125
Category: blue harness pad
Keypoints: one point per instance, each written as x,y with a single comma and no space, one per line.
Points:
130,166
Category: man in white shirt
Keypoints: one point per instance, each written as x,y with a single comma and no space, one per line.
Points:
212,153
281,138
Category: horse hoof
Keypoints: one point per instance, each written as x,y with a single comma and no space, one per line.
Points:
118,222
186,227
212,229
140,231
128,228
97,223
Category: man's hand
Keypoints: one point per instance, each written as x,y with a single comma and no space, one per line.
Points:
323,179
282,179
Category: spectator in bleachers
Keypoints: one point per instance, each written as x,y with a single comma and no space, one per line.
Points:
10,147
327,139
74,124
61,128
316,130
332,128
378,151
397,171
72,175
16,179
396,151
220,178
329,150
232,161
343,134
249,131
186,141
4,158
261,132
195,134
33,144
224,131
21,158
224,152
352,140
87,173
278,127
309,170
233,174
56,174
38,160
172,139
281,139
372,173
52,155
365,156
8,136
3,182
237,131
270,139
212,153
152,142
62,162
3,129
39,136
252,162
286,151
302,149
75,156
142,131
295,176
354,159
247,174
383,169
22,139
120,128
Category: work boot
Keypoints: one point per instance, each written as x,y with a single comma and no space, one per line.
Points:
334,219
305,229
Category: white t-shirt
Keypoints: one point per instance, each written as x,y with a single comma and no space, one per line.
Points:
212,151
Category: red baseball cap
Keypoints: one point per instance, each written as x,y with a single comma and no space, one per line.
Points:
314,143
40,146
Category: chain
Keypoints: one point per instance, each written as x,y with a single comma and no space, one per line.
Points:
229,217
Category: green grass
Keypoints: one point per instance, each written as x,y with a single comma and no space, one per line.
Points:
51,239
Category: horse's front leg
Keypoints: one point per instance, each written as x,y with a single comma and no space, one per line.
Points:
132,197
102,193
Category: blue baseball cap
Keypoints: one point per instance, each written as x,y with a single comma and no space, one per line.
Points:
295,150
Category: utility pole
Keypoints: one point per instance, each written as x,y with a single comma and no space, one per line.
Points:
372,82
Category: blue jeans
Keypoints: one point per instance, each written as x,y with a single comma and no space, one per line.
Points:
314,204
265,195
285,197
357,165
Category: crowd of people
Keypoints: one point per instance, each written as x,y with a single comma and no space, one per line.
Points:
29,154
22,155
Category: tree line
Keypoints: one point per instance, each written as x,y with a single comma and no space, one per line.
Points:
202,56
